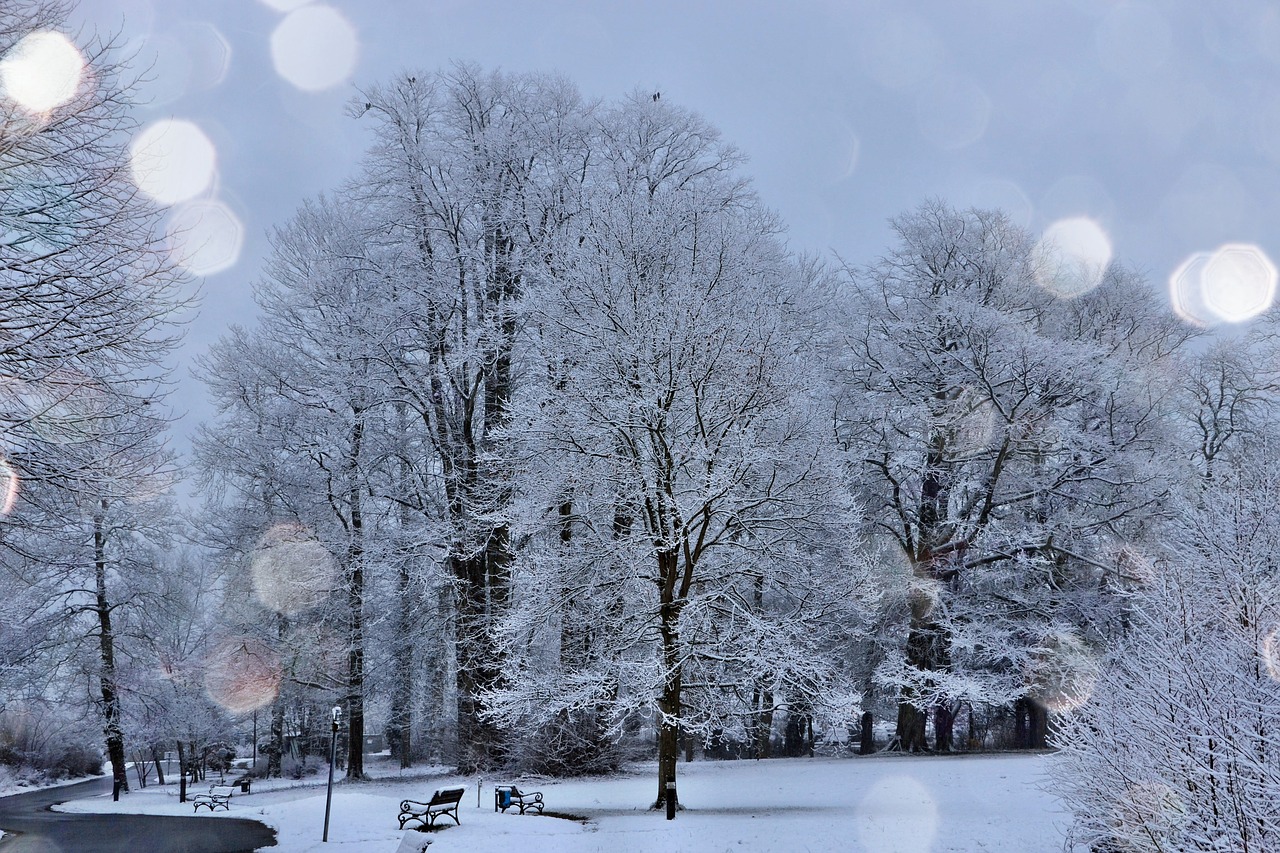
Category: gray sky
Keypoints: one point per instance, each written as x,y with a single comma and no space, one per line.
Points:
1160,121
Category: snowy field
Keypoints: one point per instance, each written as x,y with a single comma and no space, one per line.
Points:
879,804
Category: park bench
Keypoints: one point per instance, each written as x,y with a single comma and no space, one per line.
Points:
219,797
507,796
443,802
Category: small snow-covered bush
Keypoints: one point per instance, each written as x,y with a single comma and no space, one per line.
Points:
1178,748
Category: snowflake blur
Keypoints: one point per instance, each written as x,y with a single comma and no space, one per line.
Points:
172,161
292,571
41,72
314,48
242,675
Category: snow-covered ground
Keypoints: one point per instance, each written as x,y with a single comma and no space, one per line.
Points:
879,804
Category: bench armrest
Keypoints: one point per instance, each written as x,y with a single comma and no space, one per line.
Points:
406,805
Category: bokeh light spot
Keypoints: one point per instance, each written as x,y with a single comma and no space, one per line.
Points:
314,48
1062,672
1271,653
8,487
1133,38
902,51
205,237
172,161
210,54
1186,290
42,71
242,675
1146,811
898,815
1238,283
1072,256
285,5
292,571
952,111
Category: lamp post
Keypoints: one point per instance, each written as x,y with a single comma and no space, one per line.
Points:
333,757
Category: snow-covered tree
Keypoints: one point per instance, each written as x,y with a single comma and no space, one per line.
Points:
1001,437
674,474
87,301
469,175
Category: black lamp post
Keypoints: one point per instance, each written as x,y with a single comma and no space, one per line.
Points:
333,757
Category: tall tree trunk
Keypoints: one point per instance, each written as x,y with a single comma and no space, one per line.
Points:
943,727
400,723
1038,725
762,722
762,705
275,752
400,726
157,757
926,640
479,741
182,772
669,699
355,606
113,726
926,652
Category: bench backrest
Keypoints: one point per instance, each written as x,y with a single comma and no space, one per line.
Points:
447,795
222,790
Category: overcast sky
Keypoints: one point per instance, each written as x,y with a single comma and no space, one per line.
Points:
1158,121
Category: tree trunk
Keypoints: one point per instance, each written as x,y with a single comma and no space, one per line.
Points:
762,725
943,727
762,696
276,751
400,725
669,700
926,640
157,756
113,727
355,606
182,772
866,742
479,741
927,652
1038,725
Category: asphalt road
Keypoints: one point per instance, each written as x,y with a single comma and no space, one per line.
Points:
30,827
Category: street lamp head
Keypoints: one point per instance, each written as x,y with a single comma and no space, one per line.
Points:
337,714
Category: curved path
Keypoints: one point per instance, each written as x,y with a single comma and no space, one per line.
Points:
30,827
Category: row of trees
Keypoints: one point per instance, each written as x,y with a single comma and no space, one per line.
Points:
544,443
588,441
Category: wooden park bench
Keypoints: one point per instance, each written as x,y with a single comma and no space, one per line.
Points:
219,797
443,802
508,796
